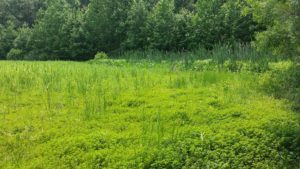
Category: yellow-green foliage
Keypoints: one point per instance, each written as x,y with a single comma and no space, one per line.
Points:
101,55
80,115
283,81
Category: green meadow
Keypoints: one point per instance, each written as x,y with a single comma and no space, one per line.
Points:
122,114
149,84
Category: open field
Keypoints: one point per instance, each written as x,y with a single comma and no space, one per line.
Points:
149,84
140,115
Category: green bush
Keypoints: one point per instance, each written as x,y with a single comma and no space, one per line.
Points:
201,65
283,81
259,66
15,54
279,66
233,66
101,55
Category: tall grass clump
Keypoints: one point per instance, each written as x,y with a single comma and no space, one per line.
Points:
232,57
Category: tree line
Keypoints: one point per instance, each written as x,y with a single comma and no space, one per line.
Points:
78,29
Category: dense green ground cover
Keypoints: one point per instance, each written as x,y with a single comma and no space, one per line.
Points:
141,115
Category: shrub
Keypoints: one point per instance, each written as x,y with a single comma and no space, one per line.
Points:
233,66
101,55
201,65
259,66
284,65
15,54
283,81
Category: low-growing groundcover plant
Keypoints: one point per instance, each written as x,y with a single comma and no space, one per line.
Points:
118,114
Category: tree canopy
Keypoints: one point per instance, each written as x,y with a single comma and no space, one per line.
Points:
78,29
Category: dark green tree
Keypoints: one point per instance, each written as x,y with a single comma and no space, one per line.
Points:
19,11
282,20
136,23
162,25
218,21
184,4
7,36
105,24
58,32
183,30
20,44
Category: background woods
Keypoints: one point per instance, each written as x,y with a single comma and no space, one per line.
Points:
78,29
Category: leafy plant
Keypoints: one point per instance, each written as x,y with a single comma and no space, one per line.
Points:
15,54
283,81
101,55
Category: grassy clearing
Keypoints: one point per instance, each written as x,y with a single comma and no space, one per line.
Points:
140,115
